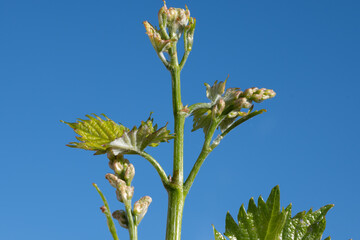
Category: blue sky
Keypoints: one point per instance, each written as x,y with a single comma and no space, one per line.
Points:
65,59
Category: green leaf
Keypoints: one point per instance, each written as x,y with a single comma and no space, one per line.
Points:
218,236
225,107
267,222
136,140
100,135
95,133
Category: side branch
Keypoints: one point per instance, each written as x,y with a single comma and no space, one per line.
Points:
157,167
163,60
205,151
183,60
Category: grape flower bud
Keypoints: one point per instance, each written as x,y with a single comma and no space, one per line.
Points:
159,44
120,216
174,19
129,173
140,208
124,193
114,180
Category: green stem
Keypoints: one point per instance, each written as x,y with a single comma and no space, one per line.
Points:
157,166
205,151
174,216
183,60
107,213
132,227
175,191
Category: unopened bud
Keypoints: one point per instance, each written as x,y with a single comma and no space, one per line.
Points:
269,92
162,15
141,207
124,193
103,209
129,173
118,167
249,92
174,19
262,94
219,107
257,97
177,19
233,114
120,215
189,34
242,103
115,181
159,44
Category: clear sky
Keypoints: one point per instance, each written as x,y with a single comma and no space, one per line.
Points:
64,59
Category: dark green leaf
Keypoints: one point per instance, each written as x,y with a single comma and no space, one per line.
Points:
267,222
218,236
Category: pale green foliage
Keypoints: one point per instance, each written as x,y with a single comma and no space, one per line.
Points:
226,106
267,222
95,133
136,140
100,135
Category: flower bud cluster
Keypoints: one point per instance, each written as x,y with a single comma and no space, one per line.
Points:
140,208
124,172
227,105
258,95
173,22
121,180
122,168
234,100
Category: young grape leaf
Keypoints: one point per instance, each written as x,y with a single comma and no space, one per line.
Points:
266,222
136,140
100,135
95,133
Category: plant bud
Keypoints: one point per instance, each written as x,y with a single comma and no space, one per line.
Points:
242,103
118,168
269,92
129,173
220,106
249,92
115,181
257,97
141,207
262,94
233,114
177,19
162,15
120,215
189,34
124,193
158,43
